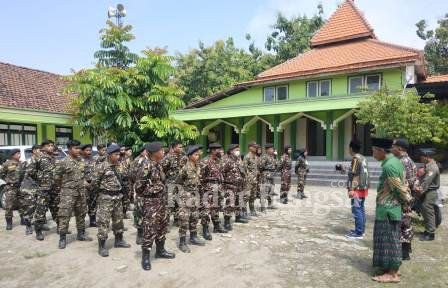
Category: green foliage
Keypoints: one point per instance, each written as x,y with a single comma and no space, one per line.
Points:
128,98
436,48
403,116
291,37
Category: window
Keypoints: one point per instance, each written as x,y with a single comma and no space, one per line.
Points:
318,88
63,134
17,134
366,82
278,93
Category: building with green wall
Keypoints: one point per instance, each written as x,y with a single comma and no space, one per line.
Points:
310,100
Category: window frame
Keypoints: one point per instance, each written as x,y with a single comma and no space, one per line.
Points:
62,133
264,94
22,133
372,75
350,86
364,82
319,88
275,99
308,88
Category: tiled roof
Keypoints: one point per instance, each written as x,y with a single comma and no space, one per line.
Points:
346,23
27,88
344,57
436,79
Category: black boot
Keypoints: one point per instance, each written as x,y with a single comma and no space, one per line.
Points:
8,223
227,224
205,233
139,239
82,236
161,251
146,259
252,213
405,251
28,227
271,205
39,234
92,221
217,227
119,241
239,219
62,241
22,221
194,240
102,248
176,222
428,237
183,245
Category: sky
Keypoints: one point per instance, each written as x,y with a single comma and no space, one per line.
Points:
60,35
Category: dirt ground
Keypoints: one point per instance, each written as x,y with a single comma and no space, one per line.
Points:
301,244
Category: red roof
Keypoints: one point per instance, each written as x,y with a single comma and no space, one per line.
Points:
345,24
27,88
436,79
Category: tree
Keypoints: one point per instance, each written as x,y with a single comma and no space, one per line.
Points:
126,97
436,48
400,115
291,37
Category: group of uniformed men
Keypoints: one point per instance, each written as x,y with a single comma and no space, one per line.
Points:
179,183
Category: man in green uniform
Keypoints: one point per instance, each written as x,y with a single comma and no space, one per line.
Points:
136,167
252,175
9,173
268,166
89,166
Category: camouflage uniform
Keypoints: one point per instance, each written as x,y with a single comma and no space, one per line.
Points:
252,176
150,188
123,168
47,197
98,159
188,209
10,174
136,167
28,190
233,175
268,166
106,179
172,163
70,176
91,196
211,187
286,165
301,171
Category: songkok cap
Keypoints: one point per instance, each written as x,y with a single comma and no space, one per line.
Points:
382,143
154,146
355,144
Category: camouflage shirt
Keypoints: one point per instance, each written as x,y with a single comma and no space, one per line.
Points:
172,163
268,166
233,171
124,168
9,172
210,173
29,184
301,166
45,168
150,180
70,174
286,163
189,176
99,159
251,165
136,166
410,171
106,177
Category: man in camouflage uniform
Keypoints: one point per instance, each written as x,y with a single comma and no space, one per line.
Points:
124,166
10,174
70,175
211,186
101,157
46,196
268,166
301,169
189,196
252,174
89,165
106,181
286,165
399,149
150,187
172,163
136,167
233,176
28,190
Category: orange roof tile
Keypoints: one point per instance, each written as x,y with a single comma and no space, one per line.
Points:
346,23
347,56
436,79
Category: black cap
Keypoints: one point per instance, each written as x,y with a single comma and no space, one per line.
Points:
301,151
355,144
192,148
286,148
113,148
142,149
253,144
85,146
46,142
427,151
403,143
214,146
268,145
382,143
154,146
35,146
233,146
14,151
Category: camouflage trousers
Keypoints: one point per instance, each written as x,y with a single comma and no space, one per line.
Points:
173,202
252,188
138,211
91,198
406,225
125,200
27,201
266,191
45,200
232,200
11,199
155,221
301,183
188,212
286,184
210,206
72,201
109,208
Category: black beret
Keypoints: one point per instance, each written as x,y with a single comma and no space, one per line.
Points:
253,144
403,143
233,146
382,143
113,148
214,146
35,146
355,144
268,145
301,151
154,147
142,149
85,146
427,151
192,148
175,143
14,151
46,142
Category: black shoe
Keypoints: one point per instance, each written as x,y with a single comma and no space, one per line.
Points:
161,251
39,234
194,240
239,219
405,251
119,242
428,237
82,236
92,221
146,259
183,245
227,224
22,221
62,241
176,222
8,223
217,228
102,248
28,227
205,233
139,239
